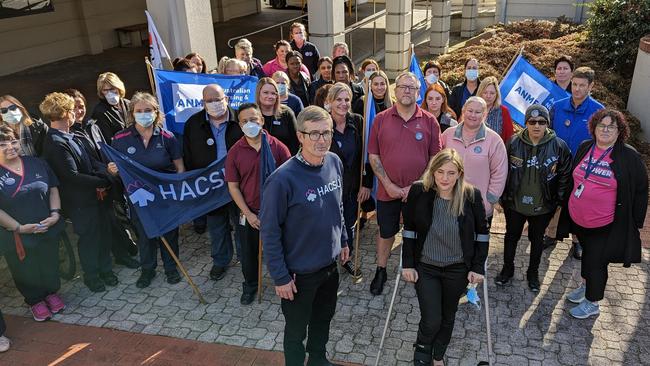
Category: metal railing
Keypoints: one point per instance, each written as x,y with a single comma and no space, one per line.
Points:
292,20
372,18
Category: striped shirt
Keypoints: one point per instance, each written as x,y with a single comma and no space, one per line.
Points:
442,245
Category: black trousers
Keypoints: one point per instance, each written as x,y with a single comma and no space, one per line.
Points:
593,267
3,326
93,226
121,240
312,308
438,290
514,226
249,256
38,274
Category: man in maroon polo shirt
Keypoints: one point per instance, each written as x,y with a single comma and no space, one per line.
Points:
243,177
402,141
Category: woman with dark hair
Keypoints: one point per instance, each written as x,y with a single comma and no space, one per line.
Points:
31,131
468,88
343,69
279,63
31,223
197,62
446,241
564,67
183,64
325,71
432,71
299,81
606,208
113,107
320,99
435,102
279,120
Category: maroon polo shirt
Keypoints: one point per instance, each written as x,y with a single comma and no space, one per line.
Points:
404,147
243,166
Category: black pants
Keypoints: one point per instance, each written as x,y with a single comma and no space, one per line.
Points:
92,225
312,307
249,256
514,226
350,216
38,274
438,290
3,326
121,240
593,267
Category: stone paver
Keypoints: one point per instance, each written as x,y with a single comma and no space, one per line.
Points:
527,329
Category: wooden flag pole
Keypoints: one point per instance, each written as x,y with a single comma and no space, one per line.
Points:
150,74
521,50
259,270
187,276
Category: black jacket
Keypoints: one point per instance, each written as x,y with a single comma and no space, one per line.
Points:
197,153
283,127
553,177
38,130
352,172
456,97
472,228
360,105
624,240
109,119
357,91
313,87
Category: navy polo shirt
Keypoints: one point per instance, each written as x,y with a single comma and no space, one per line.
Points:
294,103
310,55
160,153
346,142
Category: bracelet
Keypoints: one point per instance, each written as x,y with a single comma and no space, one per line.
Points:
57,210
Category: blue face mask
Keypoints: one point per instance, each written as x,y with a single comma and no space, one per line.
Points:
144,119
282,89
472,296
431,79
471,74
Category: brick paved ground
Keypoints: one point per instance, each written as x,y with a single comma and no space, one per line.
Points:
527,329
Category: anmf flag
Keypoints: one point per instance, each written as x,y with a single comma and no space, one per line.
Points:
415,68
524,86
157,50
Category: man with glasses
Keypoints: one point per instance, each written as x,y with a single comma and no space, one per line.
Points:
303,233
538,183
308,50
402,141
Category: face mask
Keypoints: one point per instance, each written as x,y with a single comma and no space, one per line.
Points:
299,37
326,107
13,117
112,98
251,129
432,79
471,74
144,119
282,89
368,74
216,109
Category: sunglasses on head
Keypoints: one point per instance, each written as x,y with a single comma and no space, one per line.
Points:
541,122
12,107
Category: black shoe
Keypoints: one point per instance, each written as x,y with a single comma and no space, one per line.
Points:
247,298
95,284
199,229
109,278
577,250
128,262
351,270
502,278
422,354
548,242
173,277
132,249
533,283
320,361
377,284
217,273
145,278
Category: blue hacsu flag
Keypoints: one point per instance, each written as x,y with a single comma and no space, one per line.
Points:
267,162
181,93
163,201
524,86
415,68
369,114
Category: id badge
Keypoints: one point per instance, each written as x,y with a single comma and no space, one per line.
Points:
242,219
579,190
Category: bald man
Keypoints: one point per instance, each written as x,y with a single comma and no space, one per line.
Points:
207,136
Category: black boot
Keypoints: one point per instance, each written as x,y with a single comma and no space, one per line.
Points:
422,354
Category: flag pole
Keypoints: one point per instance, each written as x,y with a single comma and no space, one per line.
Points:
259,270
150,74
187,276
521,50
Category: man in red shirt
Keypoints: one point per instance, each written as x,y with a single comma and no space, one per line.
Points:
243,177
402,141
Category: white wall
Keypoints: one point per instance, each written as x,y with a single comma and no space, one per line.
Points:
549,9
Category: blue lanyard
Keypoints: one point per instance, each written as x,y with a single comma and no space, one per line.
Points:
590,166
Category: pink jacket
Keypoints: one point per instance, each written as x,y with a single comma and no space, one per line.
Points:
272,66
485,161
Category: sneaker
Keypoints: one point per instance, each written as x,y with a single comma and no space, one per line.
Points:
377,284
109,278
173,277
577,250
217,273
5,343
128,262
40,312
548,242
585,309
349,268
578,295
533,284
54,303
502,278
145,278
95,284
247,298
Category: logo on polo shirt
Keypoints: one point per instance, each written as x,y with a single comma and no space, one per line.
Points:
478,149
38,176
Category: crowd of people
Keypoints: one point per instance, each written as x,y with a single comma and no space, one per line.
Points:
440,169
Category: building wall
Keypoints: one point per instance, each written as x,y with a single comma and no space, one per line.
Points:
550,9
224,10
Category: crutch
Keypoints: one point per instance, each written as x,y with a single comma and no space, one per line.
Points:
390,307
487,317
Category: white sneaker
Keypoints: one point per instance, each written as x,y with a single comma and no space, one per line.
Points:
4,344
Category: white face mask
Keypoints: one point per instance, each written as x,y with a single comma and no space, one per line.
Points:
112,98
144,119
431,79
471,74
367,74
13,117
216,109
251,129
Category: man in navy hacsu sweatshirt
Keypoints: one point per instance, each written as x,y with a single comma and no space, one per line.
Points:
303,232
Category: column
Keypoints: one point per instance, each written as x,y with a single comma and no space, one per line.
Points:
468,21
185,26
398,36
326,24
637,102
501,11
440,24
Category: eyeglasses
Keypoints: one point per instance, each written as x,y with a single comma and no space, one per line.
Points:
411,89
541,122
607,128
9,144
12,108
316,135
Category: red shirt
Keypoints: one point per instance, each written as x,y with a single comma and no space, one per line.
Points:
243,166
404,147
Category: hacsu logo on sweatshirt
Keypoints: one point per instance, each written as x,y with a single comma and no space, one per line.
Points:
313,193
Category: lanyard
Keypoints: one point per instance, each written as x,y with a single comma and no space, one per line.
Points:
590,167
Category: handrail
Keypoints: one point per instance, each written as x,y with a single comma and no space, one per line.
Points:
265,29
364,21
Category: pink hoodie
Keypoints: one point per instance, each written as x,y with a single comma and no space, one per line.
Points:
485,161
